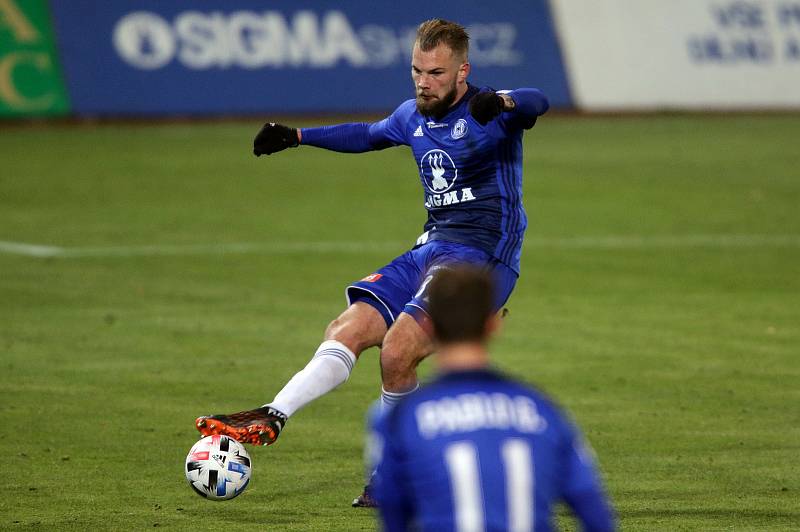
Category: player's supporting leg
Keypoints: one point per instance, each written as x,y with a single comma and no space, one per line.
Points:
404,347
359,327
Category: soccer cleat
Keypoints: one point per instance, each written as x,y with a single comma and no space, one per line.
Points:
365,500
256,427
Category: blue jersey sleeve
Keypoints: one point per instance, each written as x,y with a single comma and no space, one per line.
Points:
392,130
529,104
582,489
360,137
388,484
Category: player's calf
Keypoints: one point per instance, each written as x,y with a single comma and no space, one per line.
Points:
405,346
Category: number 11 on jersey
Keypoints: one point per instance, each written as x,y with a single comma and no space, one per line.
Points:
468,501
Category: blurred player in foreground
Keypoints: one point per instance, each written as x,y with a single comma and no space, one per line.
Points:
475,450
467,147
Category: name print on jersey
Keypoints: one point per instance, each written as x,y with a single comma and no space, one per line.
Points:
470,412
439,174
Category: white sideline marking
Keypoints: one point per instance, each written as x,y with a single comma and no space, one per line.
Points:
278,248
31,250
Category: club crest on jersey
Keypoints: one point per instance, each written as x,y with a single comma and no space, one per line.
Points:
459,129
438,171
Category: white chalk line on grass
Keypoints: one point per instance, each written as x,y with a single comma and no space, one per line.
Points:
31,250
277,248
280,248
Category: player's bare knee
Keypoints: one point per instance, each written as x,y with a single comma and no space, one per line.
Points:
335,329
357,328
346,332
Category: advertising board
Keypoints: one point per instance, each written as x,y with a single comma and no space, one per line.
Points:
687,54
248,56
30,77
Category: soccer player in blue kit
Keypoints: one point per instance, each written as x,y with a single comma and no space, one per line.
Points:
474,450
467,147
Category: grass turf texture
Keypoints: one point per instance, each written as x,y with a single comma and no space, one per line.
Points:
674,343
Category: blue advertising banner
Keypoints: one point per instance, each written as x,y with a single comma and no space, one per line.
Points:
256,56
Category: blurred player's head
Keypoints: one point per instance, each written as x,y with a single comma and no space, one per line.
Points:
439,65
461,307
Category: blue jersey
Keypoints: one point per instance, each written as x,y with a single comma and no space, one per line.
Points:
477,451
471,175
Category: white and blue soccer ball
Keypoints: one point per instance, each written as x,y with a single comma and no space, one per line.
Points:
218,468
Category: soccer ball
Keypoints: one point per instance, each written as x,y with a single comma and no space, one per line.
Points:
218,468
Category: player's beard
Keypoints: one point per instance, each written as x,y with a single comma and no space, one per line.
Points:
436,107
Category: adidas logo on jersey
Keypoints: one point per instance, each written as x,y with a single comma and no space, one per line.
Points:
418,131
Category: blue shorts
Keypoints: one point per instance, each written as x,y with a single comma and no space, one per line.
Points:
400,285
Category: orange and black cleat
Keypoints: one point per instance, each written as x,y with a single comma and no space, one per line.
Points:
256,427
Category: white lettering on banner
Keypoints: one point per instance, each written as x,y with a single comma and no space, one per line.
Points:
250,40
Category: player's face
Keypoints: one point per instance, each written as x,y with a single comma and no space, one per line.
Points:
439,78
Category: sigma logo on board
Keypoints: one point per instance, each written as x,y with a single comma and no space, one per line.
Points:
250,40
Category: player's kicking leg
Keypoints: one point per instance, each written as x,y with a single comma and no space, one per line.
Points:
358,328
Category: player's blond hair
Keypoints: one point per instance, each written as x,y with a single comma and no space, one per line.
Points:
436,31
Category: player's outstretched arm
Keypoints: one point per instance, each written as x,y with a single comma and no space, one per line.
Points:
346,138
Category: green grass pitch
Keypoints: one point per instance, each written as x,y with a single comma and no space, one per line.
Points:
659,302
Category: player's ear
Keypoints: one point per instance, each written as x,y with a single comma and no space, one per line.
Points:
494,325
463,72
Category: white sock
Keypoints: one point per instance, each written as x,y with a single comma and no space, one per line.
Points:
389,399
330,367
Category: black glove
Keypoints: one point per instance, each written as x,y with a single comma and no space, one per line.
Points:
485,106
274,138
